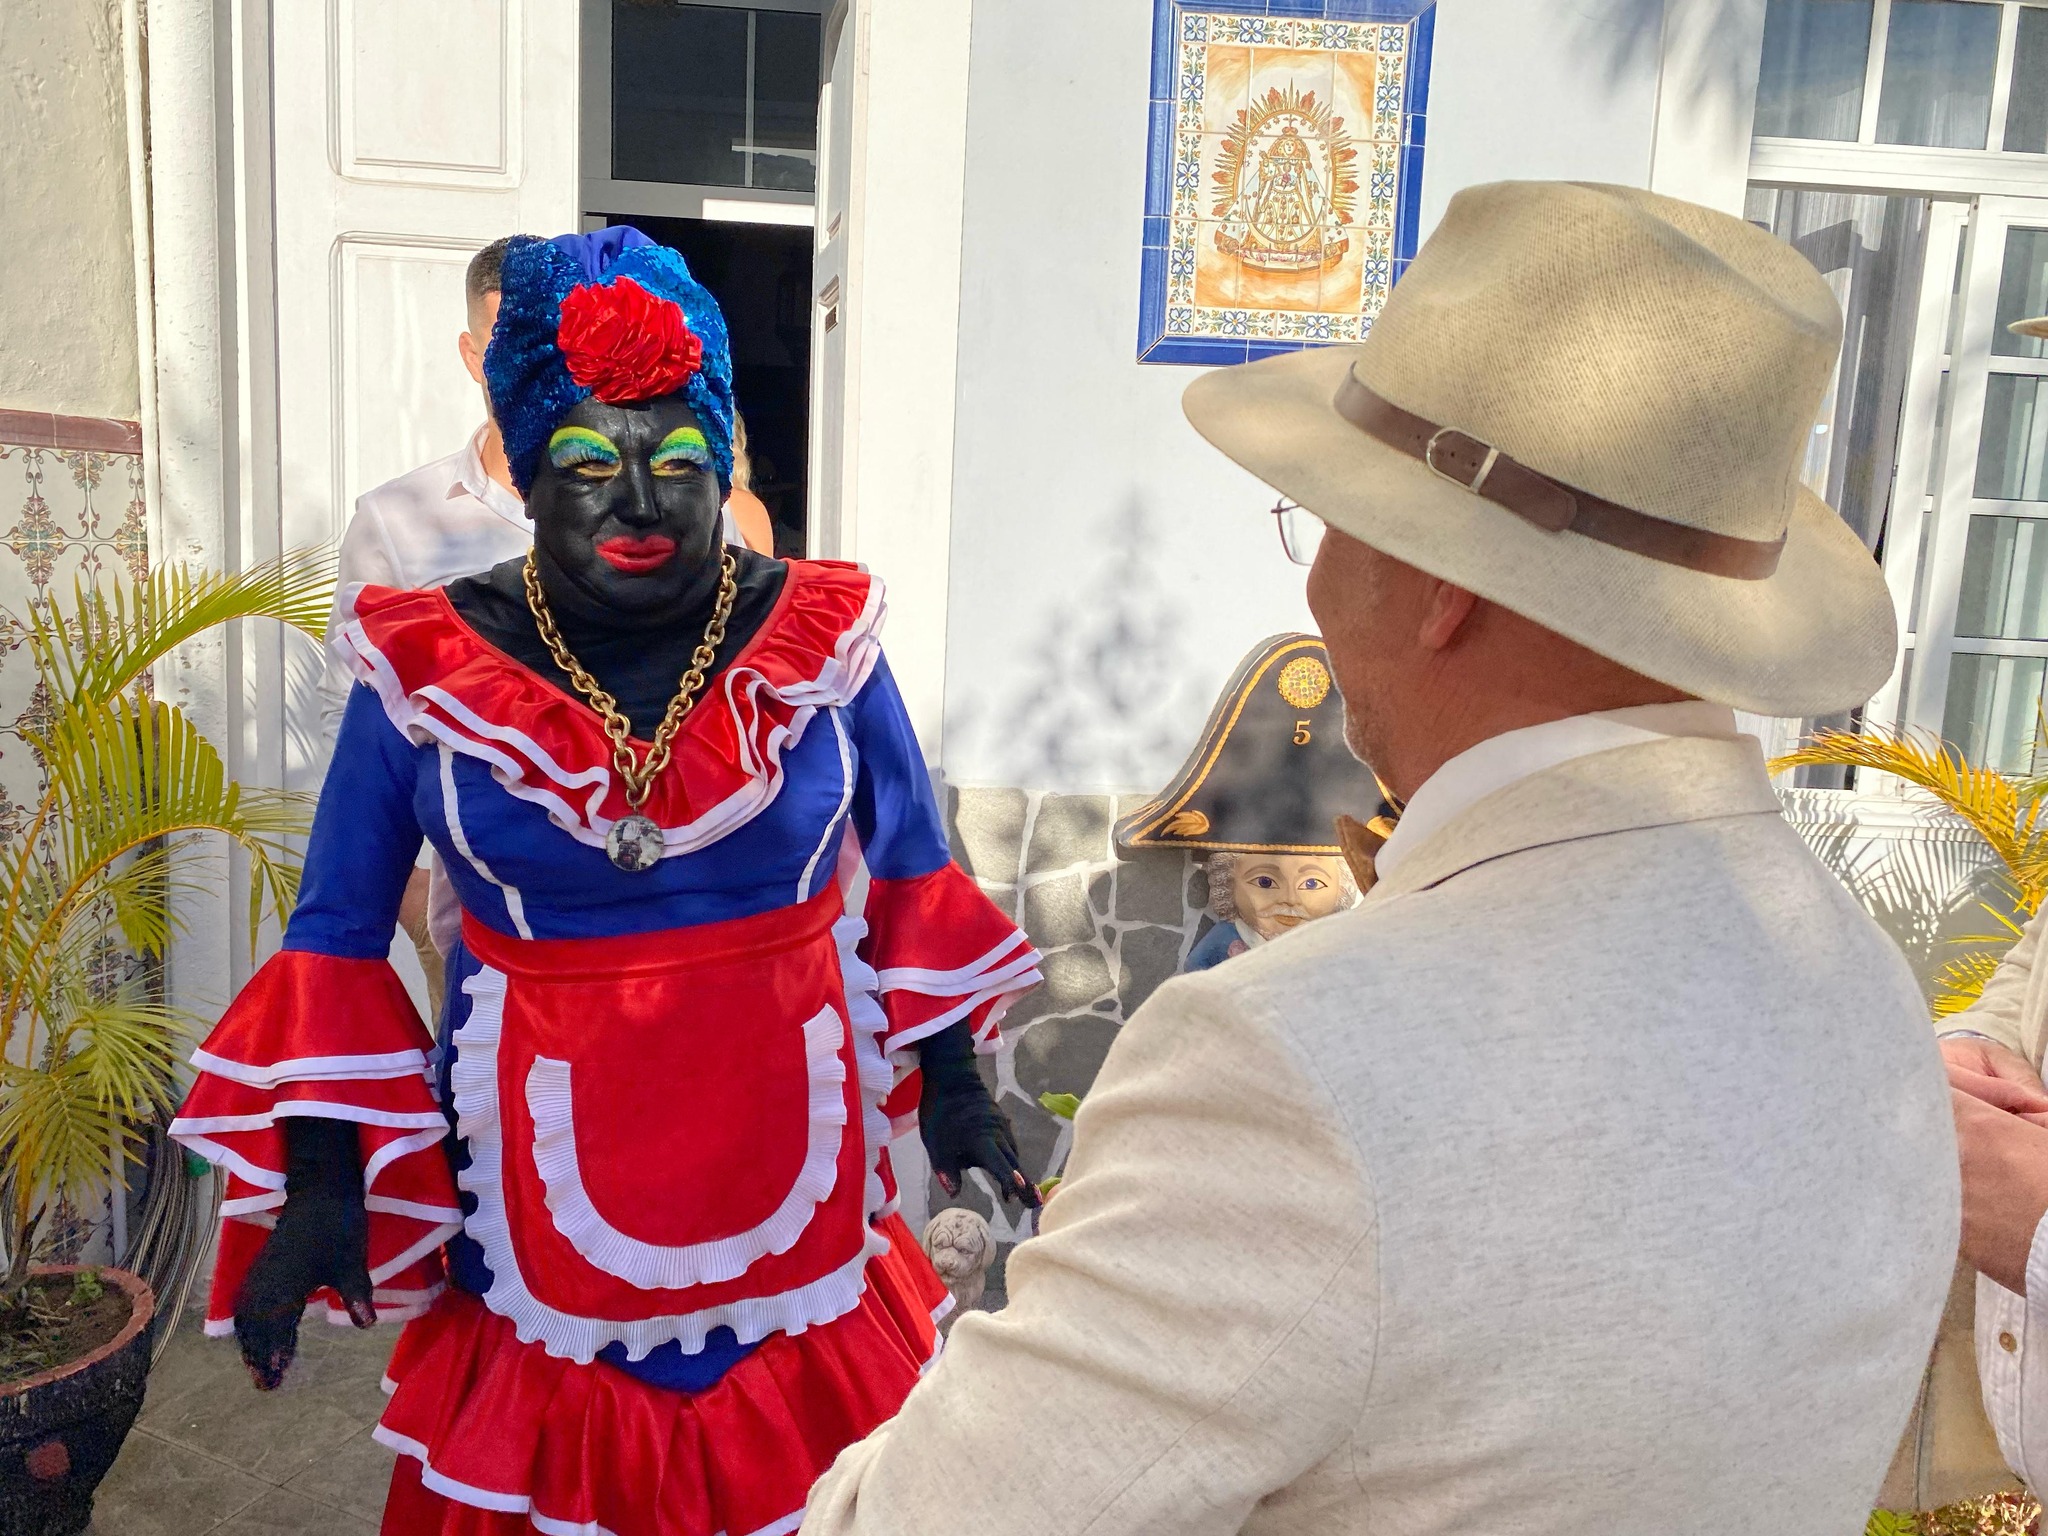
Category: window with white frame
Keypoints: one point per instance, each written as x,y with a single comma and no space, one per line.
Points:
1902,146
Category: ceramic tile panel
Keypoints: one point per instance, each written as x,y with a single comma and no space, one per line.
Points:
1285,172
67,515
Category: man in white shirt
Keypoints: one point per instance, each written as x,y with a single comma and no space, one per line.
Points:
453,517
1517,1199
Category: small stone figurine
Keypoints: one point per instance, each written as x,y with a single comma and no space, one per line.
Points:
961,1248
1287,816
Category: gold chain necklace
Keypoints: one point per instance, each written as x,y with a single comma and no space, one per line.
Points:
635,842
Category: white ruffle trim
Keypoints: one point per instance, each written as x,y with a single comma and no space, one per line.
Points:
316,1069
511,754
1000,976
673,1267
566,1336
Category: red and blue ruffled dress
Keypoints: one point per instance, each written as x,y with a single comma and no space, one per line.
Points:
635,1202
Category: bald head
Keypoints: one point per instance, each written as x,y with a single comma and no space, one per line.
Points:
1428,669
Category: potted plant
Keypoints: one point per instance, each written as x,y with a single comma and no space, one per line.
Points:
88,1045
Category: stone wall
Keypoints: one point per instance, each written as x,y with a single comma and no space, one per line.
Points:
1111,925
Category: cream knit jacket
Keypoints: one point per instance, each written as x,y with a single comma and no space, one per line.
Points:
1595,1175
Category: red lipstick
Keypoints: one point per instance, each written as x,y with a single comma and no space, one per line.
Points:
637,556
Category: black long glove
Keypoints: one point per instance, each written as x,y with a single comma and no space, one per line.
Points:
960,1123
322,1237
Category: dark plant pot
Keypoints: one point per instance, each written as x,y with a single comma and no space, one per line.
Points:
60,1431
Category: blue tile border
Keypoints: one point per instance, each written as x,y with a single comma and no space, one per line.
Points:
1154,345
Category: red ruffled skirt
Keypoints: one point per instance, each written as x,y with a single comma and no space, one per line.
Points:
496,1435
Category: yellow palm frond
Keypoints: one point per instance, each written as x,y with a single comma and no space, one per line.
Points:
1994,806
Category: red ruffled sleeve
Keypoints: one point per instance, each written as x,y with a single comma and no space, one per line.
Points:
335,1038
942,952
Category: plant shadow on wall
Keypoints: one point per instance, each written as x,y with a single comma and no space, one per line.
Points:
1627,39
1107,699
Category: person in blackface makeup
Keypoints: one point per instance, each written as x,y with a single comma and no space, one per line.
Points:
635,1204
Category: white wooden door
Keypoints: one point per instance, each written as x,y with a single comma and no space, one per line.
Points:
407,135
833,450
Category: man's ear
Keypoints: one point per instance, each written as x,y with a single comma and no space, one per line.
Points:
472,355
1447,612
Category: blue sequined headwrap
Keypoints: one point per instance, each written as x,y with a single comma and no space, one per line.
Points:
524,369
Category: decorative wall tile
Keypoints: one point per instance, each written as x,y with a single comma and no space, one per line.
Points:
67,515
1279,199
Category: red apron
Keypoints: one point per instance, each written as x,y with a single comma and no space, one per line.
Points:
666,1131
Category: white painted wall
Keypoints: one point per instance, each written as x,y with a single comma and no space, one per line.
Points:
1108,568
67,287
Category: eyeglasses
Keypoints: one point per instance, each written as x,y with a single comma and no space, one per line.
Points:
1301,531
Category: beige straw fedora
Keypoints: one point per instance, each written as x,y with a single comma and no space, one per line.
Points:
1590,404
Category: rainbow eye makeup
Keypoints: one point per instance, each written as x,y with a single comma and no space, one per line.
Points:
579,450
682,450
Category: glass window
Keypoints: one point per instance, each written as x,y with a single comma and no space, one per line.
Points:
1872,249
2022,292
2005,580
787,45
679,93
2026,112
2012,453
1993,709
714,95
1813,66
1939,59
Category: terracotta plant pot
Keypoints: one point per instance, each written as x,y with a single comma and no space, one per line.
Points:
60,1431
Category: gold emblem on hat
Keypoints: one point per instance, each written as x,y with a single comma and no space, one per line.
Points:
1186,824
1304,682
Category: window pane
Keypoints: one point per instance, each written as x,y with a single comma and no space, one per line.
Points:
2026,113
786,48
2022,291
1872,249
1939,58
1814,57
2005,580
2012,455
1992,708
679,93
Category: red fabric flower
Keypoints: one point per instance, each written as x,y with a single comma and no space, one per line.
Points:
623,343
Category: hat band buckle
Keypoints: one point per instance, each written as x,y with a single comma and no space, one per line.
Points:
1477,482
1548,504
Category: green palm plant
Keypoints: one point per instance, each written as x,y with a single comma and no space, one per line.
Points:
90,879
2010,813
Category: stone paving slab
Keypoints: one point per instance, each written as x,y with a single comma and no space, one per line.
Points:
210,1454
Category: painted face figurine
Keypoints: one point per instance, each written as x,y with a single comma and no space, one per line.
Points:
1261,795
1273,892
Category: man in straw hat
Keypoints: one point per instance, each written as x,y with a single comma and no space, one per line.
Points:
1597,1172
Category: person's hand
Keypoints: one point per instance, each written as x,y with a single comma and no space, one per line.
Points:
960,1123
322,1238
1994,1073
2005,1187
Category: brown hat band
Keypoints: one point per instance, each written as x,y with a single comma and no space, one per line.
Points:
1485,471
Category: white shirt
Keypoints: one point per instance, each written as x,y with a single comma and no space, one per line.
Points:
1501,760
443,520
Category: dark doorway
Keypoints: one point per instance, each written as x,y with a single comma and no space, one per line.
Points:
761,276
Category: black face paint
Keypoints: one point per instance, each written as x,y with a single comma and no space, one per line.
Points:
626,515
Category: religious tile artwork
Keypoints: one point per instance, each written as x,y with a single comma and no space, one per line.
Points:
1283,175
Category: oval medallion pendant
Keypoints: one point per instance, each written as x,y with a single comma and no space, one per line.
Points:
634,843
